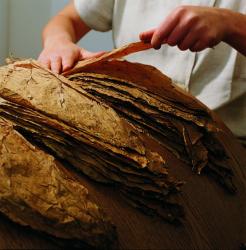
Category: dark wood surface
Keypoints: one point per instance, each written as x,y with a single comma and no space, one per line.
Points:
214,219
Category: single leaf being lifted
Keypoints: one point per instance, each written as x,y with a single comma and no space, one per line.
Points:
35,191
114,54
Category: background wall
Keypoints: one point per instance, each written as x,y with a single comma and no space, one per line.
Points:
26,19
3,29
21,24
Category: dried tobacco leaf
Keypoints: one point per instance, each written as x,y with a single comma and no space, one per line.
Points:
77,127
35,191
181,128
114,54
99,119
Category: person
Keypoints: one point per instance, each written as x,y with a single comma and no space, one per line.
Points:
202,46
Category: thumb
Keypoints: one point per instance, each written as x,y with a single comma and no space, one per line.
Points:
146,36
84,54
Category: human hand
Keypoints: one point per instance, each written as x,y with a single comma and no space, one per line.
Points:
190,27
61,55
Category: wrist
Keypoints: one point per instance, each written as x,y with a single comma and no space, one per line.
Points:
57,39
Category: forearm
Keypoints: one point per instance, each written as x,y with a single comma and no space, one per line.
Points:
236,36
60,52
59,29
66,26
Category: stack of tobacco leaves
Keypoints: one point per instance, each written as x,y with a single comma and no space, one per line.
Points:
79,128
97,120
35,191
187,132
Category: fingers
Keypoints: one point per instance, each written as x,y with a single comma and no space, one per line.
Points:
177,35
56,64
59,56
188,27
147,35
45,62
198,46
188,42
67,63
59,64
164,30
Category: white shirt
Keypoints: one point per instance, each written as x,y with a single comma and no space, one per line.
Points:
217,77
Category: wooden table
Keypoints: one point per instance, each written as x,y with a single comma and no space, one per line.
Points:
214,219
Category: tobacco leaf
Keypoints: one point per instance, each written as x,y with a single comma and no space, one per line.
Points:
82,130
150,79
99,119
183,130
114,54
35,191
